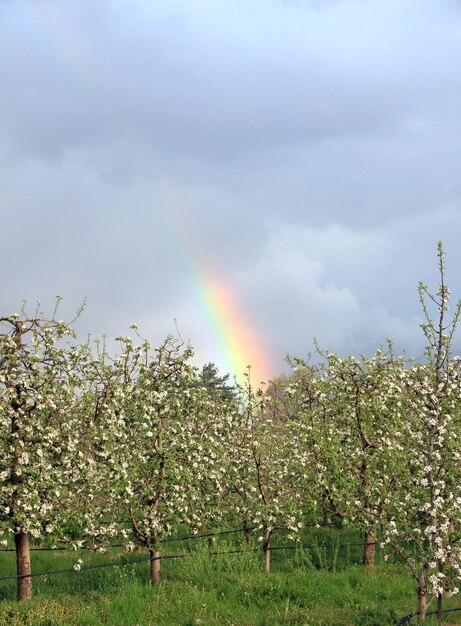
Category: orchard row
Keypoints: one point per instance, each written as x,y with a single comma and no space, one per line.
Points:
88,438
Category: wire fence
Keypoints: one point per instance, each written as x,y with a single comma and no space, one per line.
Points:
188,555
94,548
122,545
407,619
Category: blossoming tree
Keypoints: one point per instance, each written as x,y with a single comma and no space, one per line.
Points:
56,445
426,508
178,431
271,462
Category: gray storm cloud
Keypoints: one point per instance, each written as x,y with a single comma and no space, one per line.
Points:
307,152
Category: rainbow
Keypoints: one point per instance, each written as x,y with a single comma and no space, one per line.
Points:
237,342
73,57
233,340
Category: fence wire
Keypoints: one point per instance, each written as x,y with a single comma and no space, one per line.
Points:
407,619
189,555
86,568
167,540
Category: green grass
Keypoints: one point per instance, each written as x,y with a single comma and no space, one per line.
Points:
319,587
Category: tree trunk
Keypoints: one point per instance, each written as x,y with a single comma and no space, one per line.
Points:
439,608
267,551
440,597
154,567
155,564
369,550
21,542
422,594
246,531
326,512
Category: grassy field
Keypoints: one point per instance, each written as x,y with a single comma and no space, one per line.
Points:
318,587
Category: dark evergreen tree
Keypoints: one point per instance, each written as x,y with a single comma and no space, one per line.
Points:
218,385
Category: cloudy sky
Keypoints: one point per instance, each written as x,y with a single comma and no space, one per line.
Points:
261,171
